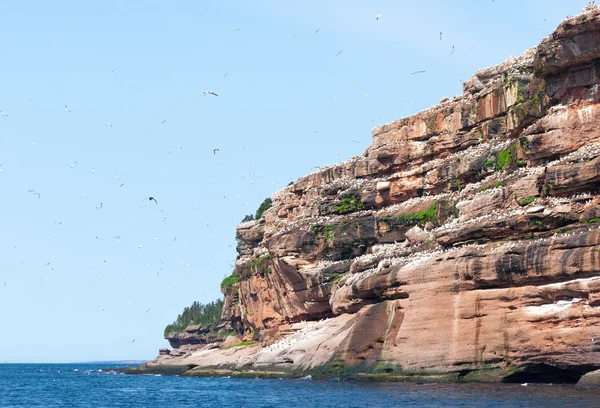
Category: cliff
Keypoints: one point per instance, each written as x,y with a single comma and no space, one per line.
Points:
463,244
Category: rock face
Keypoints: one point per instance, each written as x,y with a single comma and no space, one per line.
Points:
464,242
199,334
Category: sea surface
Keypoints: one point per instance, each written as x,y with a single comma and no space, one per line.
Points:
88,385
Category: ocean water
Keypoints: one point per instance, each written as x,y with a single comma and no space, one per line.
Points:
83,385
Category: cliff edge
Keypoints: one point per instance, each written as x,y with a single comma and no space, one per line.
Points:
464,244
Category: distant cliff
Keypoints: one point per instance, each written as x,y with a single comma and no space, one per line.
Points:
464,244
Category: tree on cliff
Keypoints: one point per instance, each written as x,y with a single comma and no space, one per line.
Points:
197,314
263,207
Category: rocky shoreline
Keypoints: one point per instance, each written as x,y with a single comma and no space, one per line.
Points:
463,245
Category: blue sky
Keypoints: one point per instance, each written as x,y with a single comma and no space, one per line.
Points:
287,104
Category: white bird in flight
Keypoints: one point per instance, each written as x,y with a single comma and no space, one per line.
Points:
378,15
67,108
206,93
339,52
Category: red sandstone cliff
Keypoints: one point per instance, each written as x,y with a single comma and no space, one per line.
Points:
464,242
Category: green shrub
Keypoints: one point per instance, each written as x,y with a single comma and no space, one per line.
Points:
229,281
263,207
248,217
527,201
348,204
504,159
589,221
489,162
417,218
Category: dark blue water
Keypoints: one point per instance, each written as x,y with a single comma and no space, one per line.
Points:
82,385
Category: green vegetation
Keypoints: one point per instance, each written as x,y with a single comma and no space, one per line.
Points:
504,159
248,217
495,185
229,281
489,162
589,221
563,230
456,185
197,314
527,201
263,207
348,204
239,240
257,264
328,234
417,218
540,222
242,344
339,277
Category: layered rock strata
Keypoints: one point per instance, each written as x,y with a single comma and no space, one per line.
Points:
463,244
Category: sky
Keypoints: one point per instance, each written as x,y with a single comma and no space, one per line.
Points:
87,262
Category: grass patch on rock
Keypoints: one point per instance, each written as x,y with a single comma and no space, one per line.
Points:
419,218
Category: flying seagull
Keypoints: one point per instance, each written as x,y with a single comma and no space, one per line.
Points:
164,121
339,52
452,52
440,36
418,72
318,29
206,93
67,108
215,151
132,340
152,198
378,15
35,192
3,113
